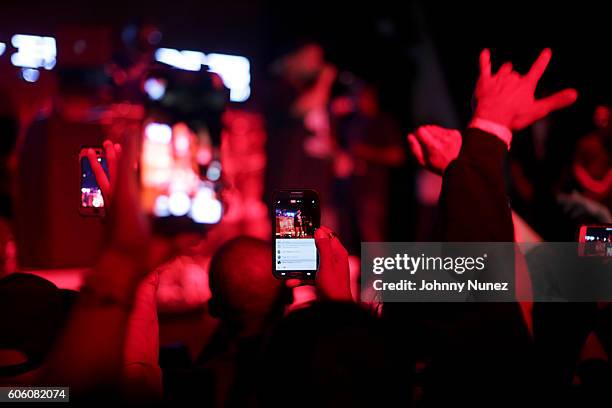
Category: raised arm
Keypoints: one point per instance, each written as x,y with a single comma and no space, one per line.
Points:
90,356
474,189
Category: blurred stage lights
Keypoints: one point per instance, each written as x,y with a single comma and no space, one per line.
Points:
34,51
179,203
234,70
155,88
30,75
186,60
158,133
204,209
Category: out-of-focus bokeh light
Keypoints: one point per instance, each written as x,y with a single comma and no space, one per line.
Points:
159,133
179,203
34,51
213,173
161,208
187,60
234,70
155,88
30,74
206,209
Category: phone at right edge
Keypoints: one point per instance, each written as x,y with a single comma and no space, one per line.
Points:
297,215
595,240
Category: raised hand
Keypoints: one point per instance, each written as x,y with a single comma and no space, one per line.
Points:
507,98
435,147
129,230
333,277
112,154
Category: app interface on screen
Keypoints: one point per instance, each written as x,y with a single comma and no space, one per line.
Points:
91,195
296,221
600,240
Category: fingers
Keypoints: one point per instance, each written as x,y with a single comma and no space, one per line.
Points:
505,69
99,173
329,245
323,241
514,78
111,160
556,101
126,184
293,283
129,157
416,149
485,64
539,66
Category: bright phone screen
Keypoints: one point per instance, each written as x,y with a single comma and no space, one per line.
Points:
598,240
91,195
296,222
172,163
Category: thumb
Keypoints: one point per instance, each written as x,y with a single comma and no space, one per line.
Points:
416,149
323,242
555,102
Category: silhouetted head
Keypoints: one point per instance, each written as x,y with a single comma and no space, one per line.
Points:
241,282
301,65
335,355
32,314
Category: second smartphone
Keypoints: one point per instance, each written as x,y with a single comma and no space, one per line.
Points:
297,215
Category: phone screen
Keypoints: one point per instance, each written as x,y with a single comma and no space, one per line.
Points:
91,195
597,240
178,175
297,216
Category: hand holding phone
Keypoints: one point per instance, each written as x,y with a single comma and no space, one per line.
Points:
98,168
333,276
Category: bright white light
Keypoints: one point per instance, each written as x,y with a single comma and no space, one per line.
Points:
2,48
30,75
206,209
159,133
181,144
161,206
179,203
34,51
187,60
213,173
97,201
235,72
155,88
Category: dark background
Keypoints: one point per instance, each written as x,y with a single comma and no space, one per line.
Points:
422,54
378,40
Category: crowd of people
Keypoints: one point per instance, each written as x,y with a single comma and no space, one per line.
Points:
302,343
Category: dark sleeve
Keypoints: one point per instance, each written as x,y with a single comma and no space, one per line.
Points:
473,205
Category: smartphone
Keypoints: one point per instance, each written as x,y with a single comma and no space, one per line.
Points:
297,215
595,240
180,175
92,201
